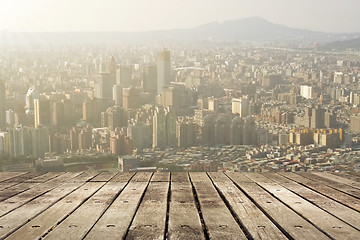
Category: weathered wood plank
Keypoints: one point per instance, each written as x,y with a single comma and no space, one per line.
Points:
341,211
103,177
15,219
254,220
7,185
80,222
161,177
123,177
24,177
116,220
43,223
348,176
149,220
184,219
8,175
333,184
219,222
338,179
320,218
289,221
14,190
332,193
34,191
180,177
84,176
142,177
45,177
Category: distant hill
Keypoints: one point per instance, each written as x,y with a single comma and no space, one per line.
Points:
342,45
252,29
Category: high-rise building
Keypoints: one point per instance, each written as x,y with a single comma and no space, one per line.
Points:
104,86
123,75
150,79
31,94
118,94
163,70
237,131
207,130
42,111
131,98
186,131
20,141
222,130
164,128
213,104
240,106
40,140
141,134
2,106
306,91
355,124
114,117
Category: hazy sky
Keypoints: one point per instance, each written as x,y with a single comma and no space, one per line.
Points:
139,15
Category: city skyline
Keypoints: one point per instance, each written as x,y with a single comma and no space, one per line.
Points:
139,15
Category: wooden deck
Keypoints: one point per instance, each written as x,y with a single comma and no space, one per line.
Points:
104,205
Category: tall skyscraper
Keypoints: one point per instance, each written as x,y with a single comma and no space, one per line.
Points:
123,75
104,87
240,106
163,70
150,79
2,106
40,141
164,128
42,112
186,131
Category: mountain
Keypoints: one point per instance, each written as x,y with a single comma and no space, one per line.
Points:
254,29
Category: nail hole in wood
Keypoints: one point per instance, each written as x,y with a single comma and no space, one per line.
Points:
298,226
35,226
110,225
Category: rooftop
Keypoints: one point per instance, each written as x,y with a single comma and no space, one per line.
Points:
162,205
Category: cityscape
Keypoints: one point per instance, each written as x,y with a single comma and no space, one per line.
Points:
200,120
179,108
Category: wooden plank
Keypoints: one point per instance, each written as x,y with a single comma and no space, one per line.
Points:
338,179
24,177
15,219
8,175
14,190
85,176
123,177
333,184
149,221
184,219
285,218
116,220
334,227
7,185
38,189
332,193
80,222
348,176
219,222
342,212
161,177
255,221
180,177
103,177
45,177
44,222
142,177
